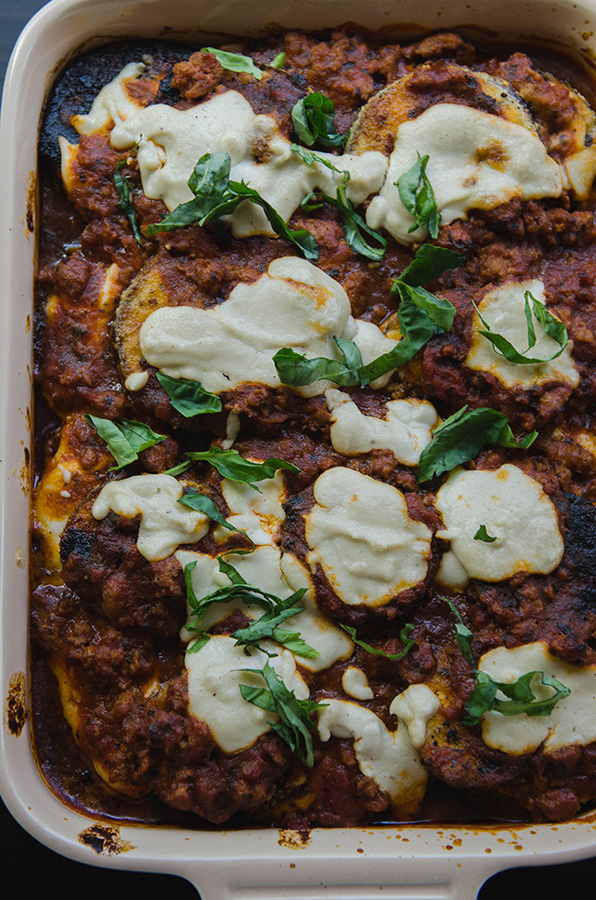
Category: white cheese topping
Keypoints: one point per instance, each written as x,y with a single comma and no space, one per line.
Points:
165,523
514,509
214,678
405,430
281,576
170,141
294,305
387,757
573,719
360,532
504,311
258,513
355,684
112,104
414,707
476,160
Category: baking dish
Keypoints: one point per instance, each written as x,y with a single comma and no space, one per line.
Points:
412,862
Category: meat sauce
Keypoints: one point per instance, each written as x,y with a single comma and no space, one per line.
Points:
114,732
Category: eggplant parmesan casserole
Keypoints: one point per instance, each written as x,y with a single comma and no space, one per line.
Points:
314,535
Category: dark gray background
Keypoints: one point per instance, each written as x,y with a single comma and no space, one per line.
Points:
27,867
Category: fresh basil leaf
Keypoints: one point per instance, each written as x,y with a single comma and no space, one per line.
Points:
521,699
296,724
463,635
296,370
462,436
430,262
417,195
440,311
123,189
507,439
312,118
350,352
189,398
202,639
217,196
209,183
519,694
194,500
278,61
483,535
231,465
404,635
550,325
267,627
234,62
125,439
299,238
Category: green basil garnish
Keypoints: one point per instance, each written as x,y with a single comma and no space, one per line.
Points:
483,535
123,189
275,610
419,313
200,502
296,724
234,62
215,196
125,439
404,635
417,195
550,325
189,398
520,698
278,61
359,236
462,436
312,118
231,465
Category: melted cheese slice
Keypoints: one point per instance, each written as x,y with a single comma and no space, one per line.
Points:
504,311
476,161
360,532
405,429
113,104
281,576
294,305
573,719
514,509
215,674
387,757
258,513
165,523
170,141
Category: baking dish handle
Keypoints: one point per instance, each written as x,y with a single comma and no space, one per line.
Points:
299,883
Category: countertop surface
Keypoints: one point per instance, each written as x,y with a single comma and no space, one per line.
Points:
30,868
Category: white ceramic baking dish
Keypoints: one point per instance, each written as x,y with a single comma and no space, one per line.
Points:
410,863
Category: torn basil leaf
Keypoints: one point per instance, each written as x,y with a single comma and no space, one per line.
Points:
231,465
312,118
125,439
189,398
520,697
417,195
200,502
359,236
429,262
483,535
440,311
123,189
216,196
462,436
550,325
404,635
234,62
278,61
296,724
